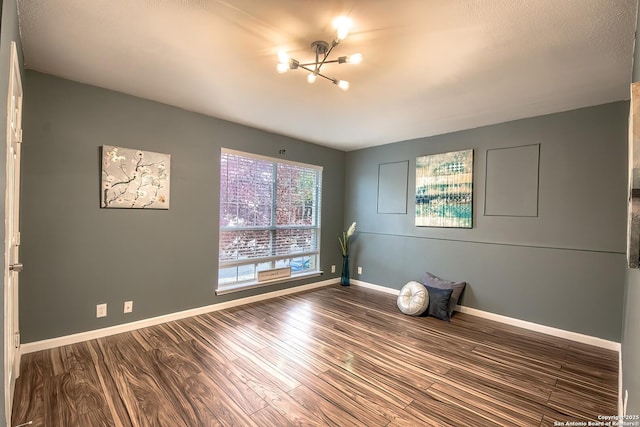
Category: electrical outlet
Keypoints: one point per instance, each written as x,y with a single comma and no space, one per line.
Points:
128,306
359,270
101,310
333,268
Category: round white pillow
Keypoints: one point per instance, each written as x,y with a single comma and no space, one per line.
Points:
413,299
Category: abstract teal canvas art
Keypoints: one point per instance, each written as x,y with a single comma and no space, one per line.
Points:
444,190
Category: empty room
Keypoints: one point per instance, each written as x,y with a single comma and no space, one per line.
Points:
336,213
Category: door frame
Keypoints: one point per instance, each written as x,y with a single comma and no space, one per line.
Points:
12,231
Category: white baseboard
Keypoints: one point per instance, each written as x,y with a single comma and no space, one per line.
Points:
556,332
549,330
379,288
132,326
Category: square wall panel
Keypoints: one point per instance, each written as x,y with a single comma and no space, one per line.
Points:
511,187
392,187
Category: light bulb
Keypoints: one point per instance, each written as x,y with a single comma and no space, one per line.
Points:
283,57
282,68
311,77
343,84
342,24
356,58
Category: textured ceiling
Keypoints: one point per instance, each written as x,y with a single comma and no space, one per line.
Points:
430,66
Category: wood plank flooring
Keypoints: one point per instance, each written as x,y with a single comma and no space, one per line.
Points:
338,356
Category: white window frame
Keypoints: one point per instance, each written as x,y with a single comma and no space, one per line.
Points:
223,286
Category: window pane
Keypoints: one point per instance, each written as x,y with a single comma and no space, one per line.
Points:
296,195
295,241
246,192
246,272
227,275
264,266
244,244
299,264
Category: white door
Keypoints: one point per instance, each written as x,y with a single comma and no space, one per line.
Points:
12,233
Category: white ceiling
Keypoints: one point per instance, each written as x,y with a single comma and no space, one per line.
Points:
430,66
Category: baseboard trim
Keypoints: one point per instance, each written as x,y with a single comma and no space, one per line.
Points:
549,330
556,332
378,288
132,326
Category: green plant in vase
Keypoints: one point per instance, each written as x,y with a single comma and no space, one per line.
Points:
344,246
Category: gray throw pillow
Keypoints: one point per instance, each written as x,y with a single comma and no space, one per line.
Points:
439,302
429,279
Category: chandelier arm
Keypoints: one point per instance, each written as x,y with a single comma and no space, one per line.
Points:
315,63
328,78
324,60
318,74
306,67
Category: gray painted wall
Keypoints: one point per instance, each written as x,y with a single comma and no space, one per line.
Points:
77,255
564,268
8,33
631,319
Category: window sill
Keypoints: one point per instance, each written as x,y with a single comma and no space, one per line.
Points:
237,287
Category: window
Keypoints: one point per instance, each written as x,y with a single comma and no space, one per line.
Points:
269,218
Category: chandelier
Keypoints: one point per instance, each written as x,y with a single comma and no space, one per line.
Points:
322,50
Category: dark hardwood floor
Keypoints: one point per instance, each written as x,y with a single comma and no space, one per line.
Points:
331,357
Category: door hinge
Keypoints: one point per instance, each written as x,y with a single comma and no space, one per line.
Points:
18,135
18,238
17,339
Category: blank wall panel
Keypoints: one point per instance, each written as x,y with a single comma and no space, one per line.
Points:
392,187
512,181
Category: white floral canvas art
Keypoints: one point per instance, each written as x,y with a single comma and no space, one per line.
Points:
134,178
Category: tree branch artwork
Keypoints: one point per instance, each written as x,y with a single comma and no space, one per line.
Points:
134,178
